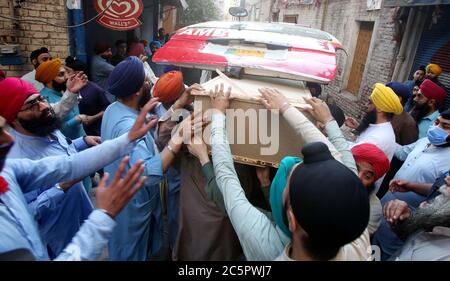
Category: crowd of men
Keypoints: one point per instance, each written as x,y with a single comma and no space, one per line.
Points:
161,195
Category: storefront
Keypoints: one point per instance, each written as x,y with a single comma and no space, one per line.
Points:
426,38
125,19
434,45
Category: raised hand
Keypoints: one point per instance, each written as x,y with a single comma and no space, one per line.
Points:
351,123
113,198
139,128
76,82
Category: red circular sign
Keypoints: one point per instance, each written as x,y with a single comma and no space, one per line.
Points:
121,14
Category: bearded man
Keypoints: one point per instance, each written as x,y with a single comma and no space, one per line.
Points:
426,230
426,102
59,209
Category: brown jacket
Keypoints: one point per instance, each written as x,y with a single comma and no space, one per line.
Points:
405,129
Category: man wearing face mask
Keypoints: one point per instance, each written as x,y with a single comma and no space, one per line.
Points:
425,160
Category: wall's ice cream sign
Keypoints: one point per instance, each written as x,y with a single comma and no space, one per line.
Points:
121,15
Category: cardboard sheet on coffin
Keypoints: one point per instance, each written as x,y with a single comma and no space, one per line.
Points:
245,96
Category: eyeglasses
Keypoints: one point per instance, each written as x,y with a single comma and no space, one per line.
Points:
32,103
419,95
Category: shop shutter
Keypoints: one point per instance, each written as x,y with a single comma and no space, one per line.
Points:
434,46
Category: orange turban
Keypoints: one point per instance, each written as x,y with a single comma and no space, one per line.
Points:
169,87
47,71
434,68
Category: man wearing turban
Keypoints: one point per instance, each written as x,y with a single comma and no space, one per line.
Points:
269,238
376,127
405,128
139,232
37,57
418,77
157,69
174,99
34,123
53,75
18,225
424,161
69,100
433,73
427,102
100,66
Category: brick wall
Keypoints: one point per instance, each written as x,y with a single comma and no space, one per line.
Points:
340,18
31,36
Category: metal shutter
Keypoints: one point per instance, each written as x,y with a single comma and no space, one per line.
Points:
434,46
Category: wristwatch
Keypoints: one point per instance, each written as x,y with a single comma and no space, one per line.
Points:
60,188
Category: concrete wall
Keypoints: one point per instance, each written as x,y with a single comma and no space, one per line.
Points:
259,10
31,36
341,18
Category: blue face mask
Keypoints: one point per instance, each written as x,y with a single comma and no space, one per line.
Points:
437,136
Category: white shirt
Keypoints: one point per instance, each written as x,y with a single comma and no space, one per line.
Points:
31,77
427,246
381,135
358,250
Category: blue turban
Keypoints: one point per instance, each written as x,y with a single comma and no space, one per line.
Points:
276,191
157,44
127,77
400,89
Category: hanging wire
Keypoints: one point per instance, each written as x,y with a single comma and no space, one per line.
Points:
57,25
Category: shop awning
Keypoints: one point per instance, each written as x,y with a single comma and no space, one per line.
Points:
398,3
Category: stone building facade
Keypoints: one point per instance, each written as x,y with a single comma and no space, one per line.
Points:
33,33
343,19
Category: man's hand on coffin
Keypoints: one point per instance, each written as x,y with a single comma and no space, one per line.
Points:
186,98
272,99
220,100
197,147
319,111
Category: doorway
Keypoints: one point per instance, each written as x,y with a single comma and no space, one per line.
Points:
360,57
